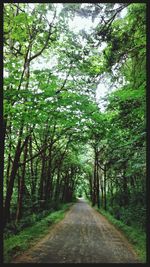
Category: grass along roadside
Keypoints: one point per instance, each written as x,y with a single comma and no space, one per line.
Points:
136,236
16,244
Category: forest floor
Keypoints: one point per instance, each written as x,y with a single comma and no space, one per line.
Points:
83,236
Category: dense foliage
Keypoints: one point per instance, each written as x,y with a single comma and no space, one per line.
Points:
59,143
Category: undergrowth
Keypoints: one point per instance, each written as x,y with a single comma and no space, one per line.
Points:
17,243
136,236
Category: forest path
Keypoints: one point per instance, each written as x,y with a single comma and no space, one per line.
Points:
83,236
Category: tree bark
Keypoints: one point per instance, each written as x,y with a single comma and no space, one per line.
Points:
33,179
49,176
41,189
105,200
15,167
94,181
97,184
21,187
9,158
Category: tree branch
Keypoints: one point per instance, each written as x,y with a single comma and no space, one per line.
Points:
46,43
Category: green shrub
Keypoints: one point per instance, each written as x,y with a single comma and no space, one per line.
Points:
135,235
16,243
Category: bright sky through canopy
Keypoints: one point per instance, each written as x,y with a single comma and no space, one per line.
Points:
76,25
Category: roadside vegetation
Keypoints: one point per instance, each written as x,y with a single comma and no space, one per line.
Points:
14,244
136,236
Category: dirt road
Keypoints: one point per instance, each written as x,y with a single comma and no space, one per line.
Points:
83,236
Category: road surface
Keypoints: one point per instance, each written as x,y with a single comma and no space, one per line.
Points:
83,236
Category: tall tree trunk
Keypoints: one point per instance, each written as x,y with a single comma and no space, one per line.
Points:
57,187
90,182
102,193
4,130
94,181
21,187
15,167
125,191
66,184
105,196
95,190
111,193
9,157
41,188
33,179
49,176
97,178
